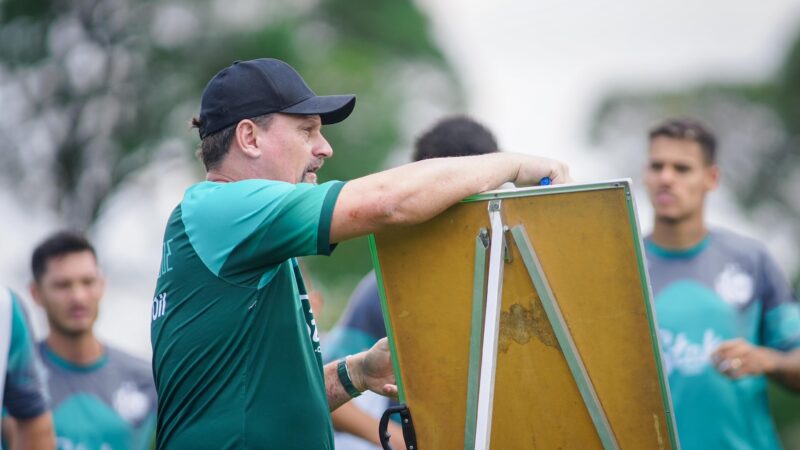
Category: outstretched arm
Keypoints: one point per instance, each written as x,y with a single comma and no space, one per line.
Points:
416,192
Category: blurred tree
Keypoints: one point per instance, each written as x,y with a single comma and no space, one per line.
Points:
95,90
758,126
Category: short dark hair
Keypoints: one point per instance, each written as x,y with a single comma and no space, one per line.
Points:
58,244
214,146
455,136
690,130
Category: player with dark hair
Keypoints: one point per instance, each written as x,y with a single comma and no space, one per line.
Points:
726,314
102,397
454,136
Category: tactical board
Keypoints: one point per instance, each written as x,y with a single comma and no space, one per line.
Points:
576,357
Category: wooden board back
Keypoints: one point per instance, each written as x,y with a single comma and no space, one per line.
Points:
588,241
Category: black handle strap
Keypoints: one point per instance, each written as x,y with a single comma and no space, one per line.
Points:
407,424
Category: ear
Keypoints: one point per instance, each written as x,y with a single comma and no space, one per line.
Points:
101,281
712,177
35,294
246,138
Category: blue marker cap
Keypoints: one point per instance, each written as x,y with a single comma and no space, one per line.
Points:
545,181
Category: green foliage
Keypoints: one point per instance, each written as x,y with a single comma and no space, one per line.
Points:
787,95
783,404
392,23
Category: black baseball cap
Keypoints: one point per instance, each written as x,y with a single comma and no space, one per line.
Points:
248,89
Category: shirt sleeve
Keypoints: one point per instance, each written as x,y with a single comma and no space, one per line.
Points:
781,317
252,225
24,395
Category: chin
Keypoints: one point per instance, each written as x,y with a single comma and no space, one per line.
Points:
76,332
669,218
75,329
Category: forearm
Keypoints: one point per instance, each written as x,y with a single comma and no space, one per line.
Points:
419,191
425,188
349,418
337,395
9,432
414,193
35,433
787,370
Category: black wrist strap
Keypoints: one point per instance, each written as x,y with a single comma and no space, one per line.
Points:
344,378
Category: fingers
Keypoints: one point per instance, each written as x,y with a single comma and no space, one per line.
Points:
730,357
738,358
382,344
557,171
731,349
733,368
377,370
531,169
731,346
560,173
389,390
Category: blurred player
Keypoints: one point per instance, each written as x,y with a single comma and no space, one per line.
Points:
726,314
28,424
102,398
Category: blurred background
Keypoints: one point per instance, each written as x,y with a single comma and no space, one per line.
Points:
96,96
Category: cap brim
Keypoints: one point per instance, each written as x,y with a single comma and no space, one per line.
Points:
331,108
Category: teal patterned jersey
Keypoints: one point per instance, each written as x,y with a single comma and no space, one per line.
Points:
724,288
107,405
24,393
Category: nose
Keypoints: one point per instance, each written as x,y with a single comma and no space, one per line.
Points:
79,294
322,149
666,175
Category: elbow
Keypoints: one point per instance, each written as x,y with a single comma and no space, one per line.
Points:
393,214
395,209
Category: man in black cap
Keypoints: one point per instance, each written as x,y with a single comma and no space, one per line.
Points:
235,349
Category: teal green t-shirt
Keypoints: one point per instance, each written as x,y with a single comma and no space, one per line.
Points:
726,287
24,394
109,404
236,355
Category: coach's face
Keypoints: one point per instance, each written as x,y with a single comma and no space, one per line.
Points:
70,290
678,177
295,147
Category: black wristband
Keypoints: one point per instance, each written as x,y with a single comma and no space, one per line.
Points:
344,378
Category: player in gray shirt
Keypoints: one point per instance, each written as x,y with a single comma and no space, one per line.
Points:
107,404
102,398
726,315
